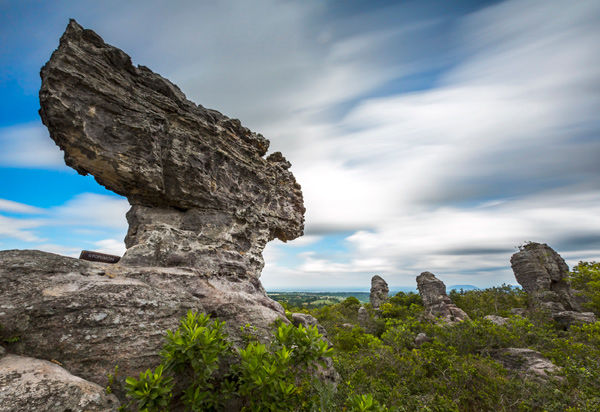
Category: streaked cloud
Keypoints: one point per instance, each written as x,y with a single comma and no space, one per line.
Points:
16,207
29,146
424,138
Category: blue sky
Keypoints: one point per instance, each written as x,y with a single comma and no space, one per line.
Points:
426,135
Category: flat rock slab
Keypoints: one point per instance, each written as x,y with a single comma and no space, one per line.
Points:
92,316
28,384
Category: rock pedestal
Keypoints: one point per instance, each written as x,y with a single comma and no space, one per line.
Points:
435,300
543,274
204,203
201,191
379,291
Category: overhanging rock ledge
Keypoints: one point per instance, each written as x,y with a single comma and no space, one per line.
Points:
204,203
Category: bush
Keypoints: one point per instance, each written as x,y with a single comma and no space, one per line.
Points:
585,277
497,300
274,377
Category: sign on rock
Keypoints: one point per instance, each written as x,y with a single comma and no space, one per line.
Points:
98,257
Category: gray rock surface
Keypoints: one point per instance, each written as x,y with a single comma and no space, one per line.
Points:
202,194
568,318
306,321
93,316
497,320
379,291
436,301
363,316
28,384
420,339
527,362
543,274
204,201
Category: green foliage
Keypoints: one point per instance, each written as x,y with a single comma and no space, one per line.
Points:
152,390
364,403
273,377
585,277
193,352
456,371
402,306
267,375
497,300
111,379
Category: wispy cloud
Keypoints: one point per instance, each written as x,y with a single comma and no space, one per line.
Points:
16,207
29,145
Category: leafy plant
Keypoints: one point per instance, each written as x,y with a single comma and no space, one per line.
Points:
364,403
265,377
152,390
585,277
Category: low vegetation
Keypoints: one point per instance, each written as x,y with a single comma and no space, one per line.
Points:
381,366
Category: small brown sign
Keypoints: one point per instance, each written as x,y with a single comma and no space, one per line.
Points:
98,257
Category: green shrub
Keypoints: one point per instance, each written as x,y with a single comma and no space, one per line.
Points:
273,377
152,390
497,300
585,277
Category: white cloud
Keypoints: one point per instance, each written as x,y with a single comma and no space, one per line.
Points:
16,207
29,145
90,209
110,246
84,220
20,229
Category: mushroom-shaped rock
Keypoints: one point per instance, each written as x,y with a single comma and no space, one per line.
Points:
543,274
202,194
437,303
379,291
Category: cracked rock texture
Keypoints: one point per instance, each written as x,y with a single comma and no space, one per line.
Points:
437,303
204,203
543,274
28,384
92,316
201,191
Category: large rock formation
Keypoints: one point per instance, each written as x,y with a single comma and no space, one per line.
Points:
202,194
543,274
435,300
204,202
379,291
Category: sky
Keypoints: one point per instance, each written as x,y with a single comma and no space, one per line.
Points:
427,135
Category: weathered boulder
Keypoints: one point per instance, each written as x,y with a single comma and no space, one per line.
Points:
526,362
93,316
202,194
421,338
435,300
496,320
363,316
28,384
568,318
204,202
379,291
307,320
543,274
